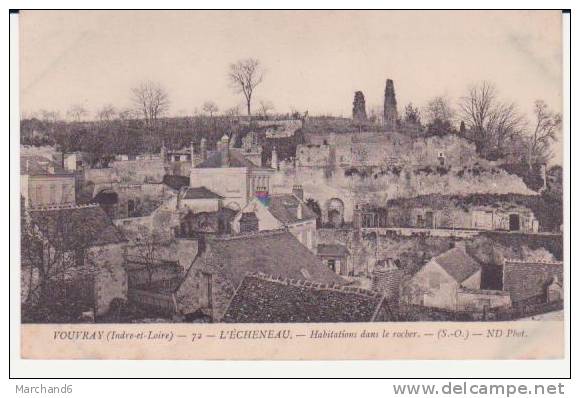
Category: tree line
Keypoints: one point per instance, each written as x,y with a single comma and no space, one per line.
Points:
498,128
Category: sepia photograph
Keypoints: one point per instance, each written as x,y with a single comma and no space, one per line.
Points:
281,178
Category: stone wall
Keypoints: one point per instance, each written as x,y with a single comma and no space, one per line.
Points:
388,281
526,280
477,300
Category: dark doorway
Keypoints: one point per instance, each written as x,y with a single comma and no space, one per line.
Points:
429,219
335,218
514,222
131,208
332,265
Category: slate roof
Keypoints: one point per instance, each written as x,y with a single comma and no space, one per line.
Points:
236,160
458,264
332,250
39,165
276,253
175,182
266,299
74,227
200,193
285,208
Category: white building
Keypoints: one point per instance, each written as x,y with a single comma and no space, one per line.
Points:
229,174
276,212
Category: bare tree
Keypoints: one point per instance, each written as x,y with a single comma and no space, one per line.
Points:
49,116
233,112
412,114
476,109
265,107
245,75
210,108
76,112
126,114
106,113
55,251
376,114
438,108
151,100
505,125
547,124
149,242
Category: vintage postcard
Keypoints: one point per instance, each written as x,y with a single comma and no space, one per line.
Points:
291,185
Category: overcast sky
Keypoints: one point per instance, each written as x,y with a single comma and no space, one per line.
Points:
314,60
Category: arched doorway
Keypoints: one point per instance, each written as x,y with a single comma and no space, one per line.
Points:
108,200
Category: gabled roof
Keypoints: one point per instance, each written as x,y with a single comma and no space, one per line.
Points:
284,207
76,227
175,182
200,193
39,165
236,160
334,250
276,253
458,264
261,298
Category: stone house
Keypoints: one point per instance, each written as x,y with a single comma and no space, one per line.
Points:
222,262
78,243
437,283
229,174
335,257
279,211
265,299
533,281
452,281
45,183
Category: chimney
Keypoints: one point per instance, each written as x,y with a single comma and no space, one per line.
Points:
274,164
225,151
298,191
263,195
203,150
299,211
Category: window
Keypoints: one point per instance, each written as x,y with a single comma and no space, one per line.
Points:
39,198
65,193
305,273
52,195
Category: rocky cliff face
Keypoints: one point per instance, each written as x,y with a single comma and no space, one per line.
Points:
359,113
390,107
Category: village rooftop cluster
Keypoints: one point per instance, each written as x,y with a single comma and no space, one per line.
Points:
291,218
